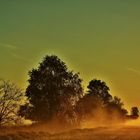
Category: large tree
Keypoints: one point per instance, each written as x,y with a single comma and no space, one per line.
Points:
52,91
11,98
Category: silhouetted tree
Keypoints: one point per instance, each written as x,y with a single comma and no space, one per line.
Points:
100,90
11,98
86,107
52,91
134,112
99,100
116,110
96,98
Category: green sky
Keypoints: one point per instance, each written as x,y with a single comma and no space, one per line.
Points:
98,38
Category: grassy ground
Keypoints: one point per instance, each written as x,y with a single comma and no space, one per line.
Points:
100,133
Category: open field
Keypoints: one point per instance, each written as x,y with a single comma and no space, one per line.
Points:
100,133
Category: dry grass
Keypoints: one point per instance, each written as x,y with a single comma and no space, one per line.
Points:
99,133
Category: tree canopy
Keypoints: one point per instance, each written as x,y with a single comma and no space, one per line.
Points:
100,90
52,90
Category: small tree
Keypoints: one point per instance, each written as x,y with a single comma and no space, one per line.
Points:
134,112
11,97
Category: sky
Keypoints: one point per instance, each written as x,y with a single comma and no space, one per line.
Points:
98,38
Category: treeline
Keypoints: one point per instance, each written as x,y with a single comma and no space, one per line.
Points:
56,94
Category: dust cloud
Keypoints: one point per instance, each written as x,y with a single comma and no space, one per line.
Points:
124,131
